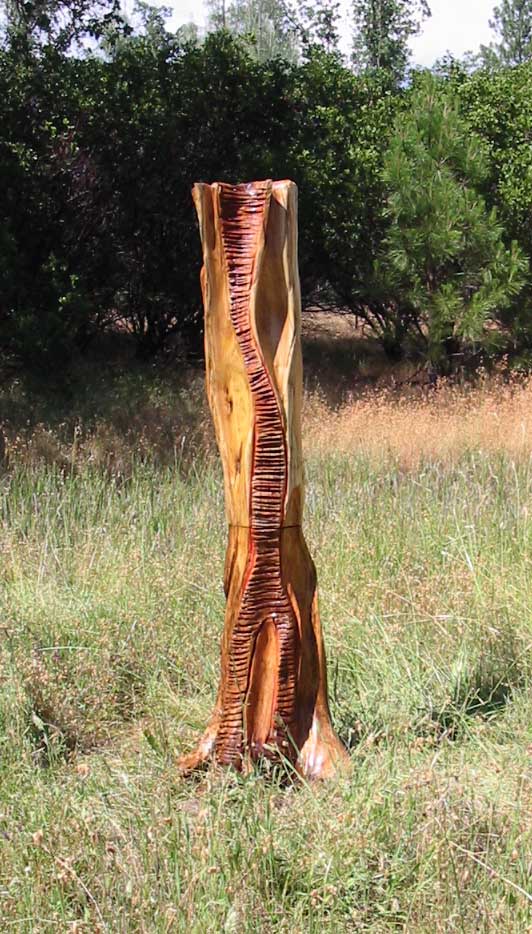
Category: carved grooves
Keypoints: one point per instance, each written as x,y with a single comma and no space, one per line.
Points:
243,209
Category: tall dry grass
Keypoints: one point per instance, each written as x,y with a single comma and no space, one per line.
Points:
439,424
165,421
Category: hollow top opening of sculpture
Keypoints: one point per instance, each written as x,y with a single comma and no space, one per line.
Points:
251,187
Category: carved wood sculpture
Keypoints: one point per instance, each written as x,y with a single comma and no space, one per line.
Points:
272,699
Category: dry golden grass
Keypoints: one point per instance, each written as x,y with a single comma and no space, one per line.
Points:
440,424
407,425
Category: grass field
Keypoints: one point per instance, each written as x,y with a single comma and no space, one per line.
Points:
419,517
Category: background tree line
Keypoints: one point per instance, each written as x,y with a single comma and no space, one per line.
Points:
415,187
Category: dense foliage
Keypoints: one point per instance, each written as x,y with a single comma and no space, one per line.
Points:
105,127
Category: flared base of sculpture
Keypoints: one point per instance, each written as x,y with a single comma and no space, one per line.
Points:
272,700
322,756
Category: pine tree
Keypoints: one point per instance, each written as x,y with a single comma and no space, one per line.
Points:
383,29
445,263
512,23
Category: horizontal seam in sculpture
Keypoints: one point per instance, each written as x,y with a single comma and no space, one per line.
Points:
279,528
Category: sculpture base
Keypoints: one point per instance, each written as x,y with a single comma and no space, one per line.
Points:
322,756
261,665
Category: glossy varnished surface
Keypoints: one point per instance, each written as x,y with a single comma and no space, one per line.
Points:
260,693
272,699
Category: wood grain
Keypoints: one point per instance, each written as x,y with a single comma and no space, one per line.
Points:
272,699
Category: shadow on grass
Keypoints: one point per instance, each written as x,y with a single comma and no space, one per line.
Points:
338,358
74,704
471,689
483,691
113,412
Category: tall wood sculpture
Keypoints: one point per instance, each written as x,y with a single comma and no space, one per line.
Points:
272,699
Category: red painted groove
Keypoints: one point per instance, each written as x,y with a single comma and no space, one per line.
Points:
243,210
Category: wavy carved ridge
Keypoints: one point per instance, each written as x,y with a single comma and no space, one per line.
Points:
243,209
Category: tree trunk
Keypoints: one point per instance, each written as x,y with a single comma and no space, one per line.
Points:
272,699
